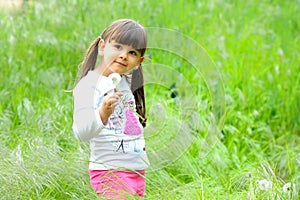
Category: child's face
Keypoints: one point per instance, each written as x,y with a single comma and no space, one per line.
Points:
119,58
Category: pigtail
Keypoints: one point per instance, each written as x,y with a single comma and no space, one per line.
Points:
137,88
90,59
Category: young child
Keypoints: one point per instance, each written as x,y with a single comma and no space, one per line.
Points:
111,114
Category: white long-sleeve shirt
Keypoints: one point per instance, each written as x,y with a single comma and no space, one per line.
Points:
118,144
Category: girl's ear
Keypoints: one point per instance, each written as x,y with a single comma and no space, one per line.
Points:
101,46
141,60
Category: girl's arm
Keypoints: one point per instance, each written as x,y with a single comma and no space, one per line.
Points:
87,122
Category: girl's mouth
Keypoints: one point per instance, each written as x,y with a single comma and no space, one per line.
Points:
120,63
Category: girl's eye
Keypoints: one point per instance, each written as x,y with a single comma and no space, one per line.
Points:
119,47
133,53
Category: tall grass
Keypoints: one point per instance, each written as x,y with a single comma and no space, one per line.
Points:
255,46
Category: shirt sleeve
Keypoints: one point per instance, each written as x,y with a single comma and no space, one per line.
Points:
86,119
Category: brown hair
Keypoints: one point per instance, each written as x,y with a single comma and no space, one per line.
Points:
128,32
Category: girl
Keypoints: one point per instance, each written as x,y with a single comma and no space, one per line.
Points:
112,116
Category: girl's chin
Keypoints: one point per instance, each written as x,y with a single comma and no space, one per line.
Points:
118,69
120,72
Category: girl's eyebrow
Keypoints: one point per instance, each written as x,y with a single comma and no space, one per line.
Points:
131,47
114,43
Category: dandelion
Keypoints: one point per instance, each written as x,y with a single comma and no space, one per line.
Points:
280,52
255,113
116,78
290,190
276,68
287,187
264,184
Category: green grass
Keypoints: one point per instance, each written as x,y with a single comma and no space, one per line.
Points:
255,46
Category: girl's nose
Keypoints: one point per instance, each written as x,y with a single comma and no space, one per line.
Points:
123,55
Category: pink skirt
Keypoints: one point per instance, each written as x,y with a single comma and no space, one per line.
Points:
118,183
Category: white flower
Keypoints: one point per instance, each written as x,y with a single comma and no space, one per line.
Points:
264,184
280,52
255,113
116,78
287,187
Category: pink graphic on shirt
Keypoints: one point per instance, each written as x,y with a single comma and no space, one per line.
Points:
132,126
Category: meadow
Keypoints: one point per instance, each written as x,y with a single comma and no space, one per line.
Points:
223,104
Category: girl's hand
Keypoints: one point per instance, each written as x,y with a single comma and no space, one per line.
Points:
110,101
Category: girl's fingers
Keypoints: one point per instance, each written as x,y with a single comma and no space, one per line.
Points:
113,105
118,94
112,100
114,95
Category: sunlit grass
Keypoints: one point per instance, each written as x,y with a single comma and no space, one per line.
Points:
255,46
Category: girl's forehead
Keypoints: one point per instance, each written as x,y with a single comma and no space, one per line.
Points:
135,39
112,42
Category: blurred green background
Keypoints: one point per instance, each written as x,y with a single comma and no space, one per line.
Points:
255,48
